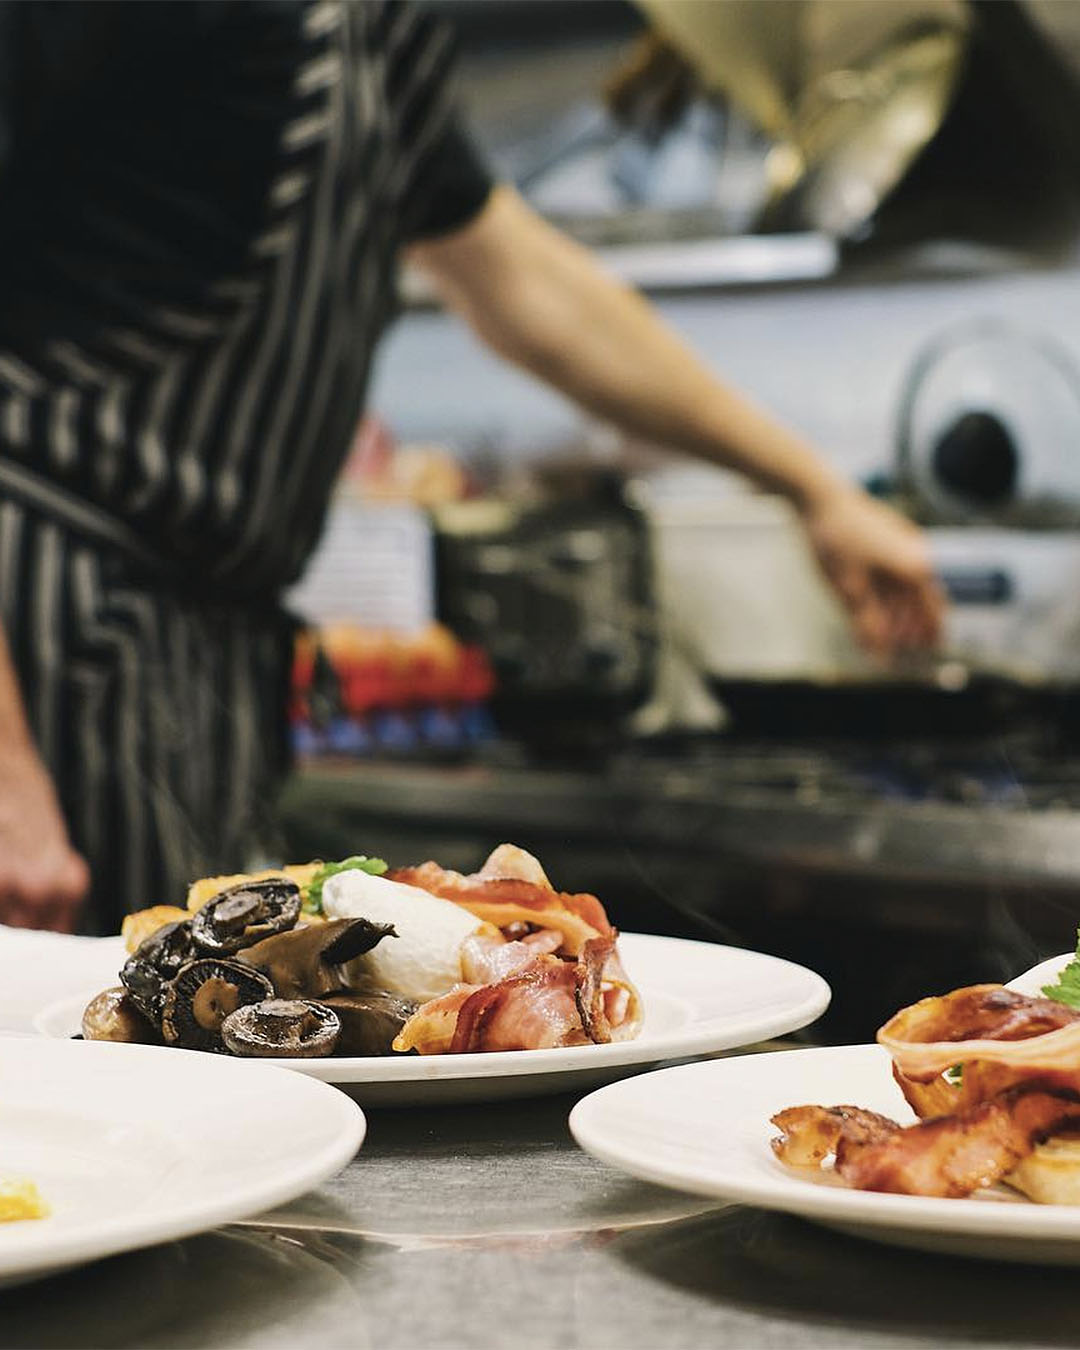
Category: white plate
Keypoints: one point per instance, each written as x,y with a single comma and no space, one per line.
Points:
700,998
705,1128
129,1148
1033,980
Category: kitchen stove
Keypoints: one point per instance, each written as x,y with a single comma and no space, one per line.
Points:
1021,772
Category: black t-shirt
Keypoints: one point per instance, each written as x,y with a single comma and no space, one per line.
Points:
201,207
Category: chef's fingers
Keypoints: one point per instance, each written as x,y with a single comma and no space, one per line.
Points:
916,610
64,916
60,911
50,913
937,606
16,913
872,624
928,612
854,587
913,626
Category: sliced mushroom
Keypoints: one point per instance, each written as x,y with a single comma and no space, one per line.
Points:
285,1028
369,1022
308,962
155,963
203,994
246,914
113,1016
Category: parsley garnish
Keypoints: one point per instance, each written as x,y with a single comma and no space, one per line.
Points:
359,863
1067,989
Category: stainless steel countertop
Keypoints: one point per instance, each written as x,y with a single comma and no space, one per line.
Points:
484,1225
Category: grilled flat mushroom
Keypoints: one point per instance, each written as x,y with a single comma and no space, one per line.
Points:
369,1021
113,1016
308,962
285,1028
246,914
154,964
203,994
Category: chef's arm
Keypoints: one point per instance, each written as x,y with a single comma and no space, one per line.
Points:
43,881
543,302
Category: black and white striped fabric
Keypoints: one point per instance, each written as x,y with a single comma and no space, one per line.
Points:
201,204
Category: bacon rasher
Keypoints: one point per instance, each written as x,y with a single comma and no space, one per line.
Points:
512,892
511,888
1020,1083
546,1003
988,1024
947,1156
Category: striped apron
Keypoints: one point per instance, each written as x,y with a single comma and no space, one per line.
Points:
185,337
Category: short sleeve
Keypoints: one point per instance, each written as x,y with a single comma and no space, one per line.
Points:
443,181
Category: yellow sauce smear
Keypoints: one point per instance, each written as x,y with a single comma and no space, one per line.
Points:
20,1200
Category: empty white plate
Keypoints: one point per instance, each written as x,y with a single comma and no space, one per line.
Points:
705,1128
129,1146
699,998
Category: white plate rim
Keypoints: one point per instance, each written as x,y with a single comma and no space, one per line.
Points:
1046,972
704,1037
294,1175
788,1193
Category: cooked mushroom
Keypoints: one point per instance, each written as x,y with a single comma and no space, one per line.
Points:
113,1016
307,962
203,994
246,914
146,974
369,1022
286,1028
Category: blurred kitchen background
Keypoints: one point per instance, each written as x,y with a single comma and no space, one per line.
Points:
524,628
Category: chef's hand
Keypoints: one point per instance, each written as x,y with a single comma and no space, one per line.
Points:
541,300
43,881
879,566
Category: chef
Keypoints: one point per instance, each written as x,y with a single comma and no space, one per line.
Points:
202,208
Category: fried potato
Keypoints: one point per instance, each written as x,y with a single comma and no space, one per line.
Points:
1050,1174
137,927
202,892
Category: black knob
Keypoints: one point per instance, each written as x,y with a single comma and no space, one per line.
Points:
977,458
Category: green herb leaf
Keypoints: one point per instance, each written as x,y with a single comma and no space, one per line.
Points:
1067,989
955,1075
359,863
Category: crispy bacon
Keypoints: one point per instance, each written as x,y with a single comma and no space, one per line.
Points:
948,1156
512,888
486,960
430,1029
955,1155
622,1002
547,1003
520,994
936,1098
1020,1083
810,1134
588,987
577,917
536,1008
991,1025
507,860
